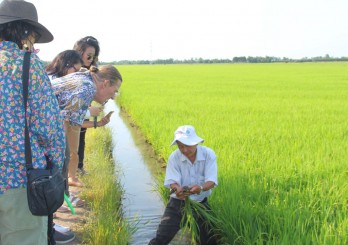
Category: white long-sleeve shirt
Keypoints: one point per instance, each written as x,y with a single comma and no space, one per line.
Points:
180,170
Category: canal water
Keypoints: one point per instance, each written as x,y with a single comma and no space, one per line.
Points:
136,168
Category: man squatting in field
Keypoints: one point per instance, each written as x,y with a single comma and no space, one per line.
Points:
191,173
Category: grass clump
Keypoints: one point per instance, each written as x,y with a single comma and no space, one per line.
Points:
103,193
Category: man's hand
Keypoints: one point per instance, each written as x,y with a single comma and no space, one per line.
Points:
183,192
95,110
195,189
109,114
105,120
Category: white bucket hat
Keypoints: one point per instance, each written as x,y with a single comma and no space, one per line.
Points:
187,135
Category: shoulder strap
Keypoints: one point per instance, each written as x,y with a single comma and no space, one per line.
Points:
25,80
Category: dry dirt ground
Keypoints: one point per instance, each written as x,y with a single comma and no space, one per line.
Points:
74,222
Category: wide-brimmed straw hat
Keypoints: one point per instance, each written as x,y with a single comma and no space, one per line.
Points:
13,10
187,135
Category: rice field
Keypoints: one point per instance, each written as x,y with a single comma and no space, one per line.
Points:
280,132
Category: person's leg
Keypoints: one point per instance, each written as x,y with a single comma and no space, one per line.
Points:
65,169
17,224
73,134
50,231
82,143
170,222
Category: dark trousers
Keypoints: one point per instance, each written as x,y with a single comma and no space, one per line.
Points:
170,224
50,231
65,169
81,151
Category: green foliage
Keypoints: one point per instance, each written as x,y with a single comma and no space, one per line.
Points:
103,193
280,132
159,187
188,223
194,210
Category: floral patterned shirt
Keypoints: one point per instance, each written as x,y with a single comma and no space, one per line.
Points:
46,128
75,93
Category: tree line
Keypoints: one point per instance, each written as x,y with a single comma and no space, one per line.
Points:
240,59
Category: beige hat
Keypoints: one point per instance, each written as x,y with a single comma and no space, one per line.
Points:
187,135
13,10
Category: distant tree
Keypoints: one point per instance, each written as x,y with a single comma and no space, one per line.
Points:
241,59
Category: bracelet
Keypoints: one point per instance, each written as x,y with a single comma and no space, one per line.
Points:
201,189
95,122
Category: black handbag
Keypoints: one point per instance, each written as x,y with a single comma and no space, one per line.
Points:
45,187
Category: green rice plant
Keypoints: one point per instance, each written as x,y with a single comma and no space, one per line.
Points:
279,132
192,211
160,188
188,222
103,193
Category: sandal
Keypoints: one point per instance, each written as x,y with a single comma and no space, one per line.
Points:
76,201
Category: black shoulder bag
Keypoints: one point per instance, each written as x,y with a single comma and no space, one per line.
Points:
45,187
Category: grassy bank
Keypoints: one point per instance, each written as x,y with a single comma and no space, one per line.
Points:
103,193
280,134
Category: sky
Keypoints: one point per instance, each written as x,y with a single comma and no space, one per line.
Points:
185,29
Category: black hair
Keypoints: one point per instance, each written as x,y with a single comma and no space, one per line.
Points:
16,31
88,41
62,62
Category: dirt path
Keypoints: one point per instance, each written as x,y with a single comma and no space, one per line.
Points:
74,222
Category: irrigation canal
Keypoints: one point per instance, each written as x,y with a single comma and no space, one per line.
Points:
136,169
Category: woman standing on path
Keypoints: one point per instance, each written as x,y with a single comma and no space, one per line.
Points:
88,48
19,31
66,62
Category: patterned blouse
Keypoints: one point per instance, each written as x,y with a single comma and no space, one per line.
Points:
46,129
75,93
